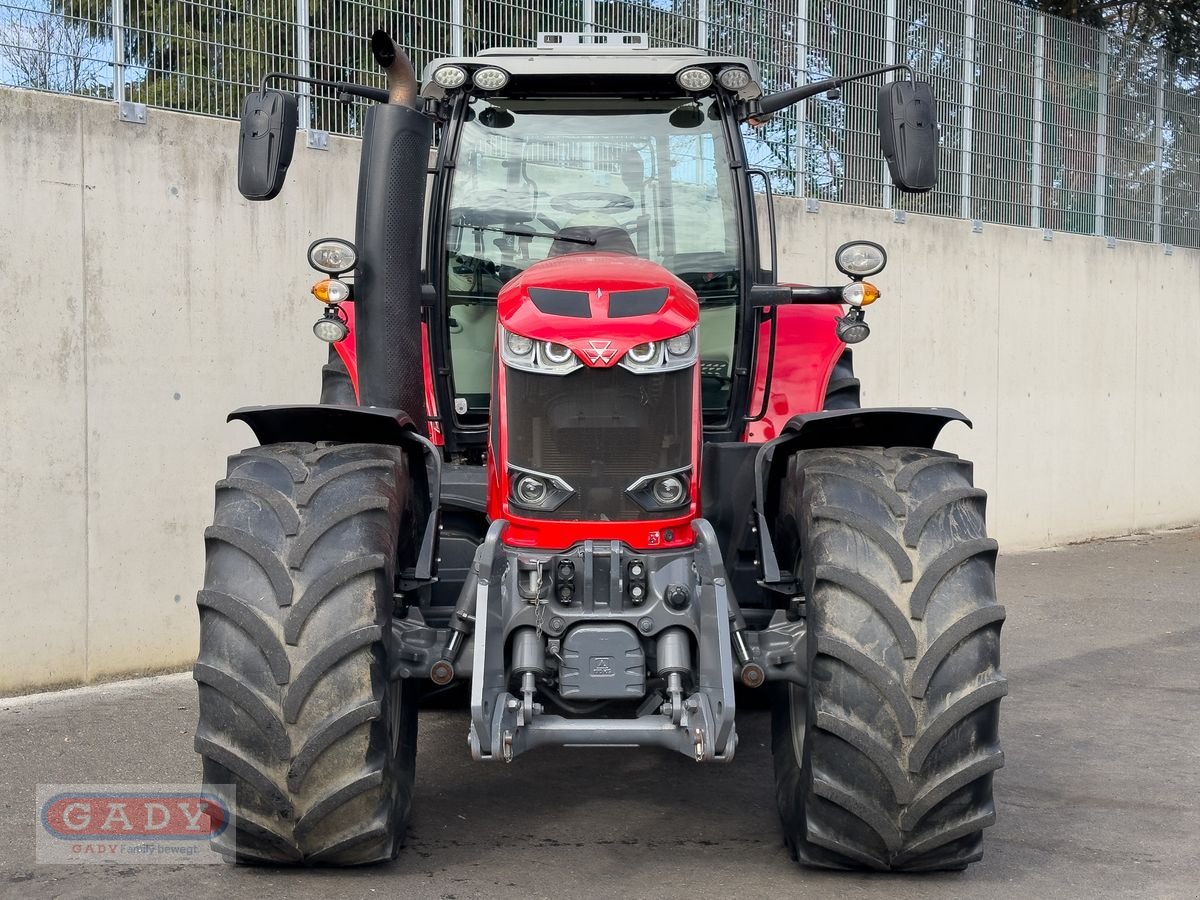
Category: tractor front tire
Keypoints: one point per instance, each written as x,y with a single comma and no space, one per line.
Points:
885,761
297,709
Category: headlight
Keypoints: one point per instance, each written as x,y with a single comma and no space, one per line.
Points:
450,77
330,329
680,345
643,354
860,259
668,491
733,78
518,344
530,489
537,490
662,491
851,329
333,256
695,79
542,357
557,354
671,355
490,78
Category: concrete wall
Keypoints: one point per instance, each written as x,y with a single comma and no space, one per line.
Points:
145,299
1077,363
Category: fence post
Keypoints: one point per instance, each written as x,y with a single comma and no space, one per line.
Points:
1039,112
968,106
118,42
457,30
303,65
889,59
1102,136
702,24
589,15
799,184
1159,116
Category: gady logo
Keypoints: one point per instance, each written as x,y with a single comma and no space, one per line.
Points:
128,817
146,823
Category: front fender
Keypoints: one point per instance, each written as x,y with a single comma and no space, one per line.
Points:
884,427
313,423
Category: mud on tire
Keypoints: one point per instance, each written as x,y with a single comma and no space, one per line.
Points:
886,760
296,709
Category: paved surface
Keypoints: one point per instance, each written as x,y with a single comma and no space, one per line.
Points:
1099,796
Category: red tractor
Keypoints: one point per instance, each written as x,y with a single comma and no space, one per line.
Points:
579,450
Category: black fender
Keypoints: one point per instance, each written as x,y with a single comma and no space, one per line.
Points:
883,427
311,423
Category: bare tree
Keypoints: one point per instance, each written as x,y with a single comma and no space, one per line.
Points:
44,50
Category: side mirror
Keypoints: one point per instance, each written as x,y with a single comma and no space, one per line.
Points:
908,134
265,144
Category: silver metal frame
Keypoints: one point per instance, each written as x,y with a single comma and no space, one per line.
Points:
503,727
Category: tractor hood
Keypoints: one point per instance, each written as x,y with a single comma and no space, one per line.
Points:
599,304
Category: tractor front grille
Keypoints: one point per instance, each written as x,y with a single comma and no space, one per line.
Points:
599,430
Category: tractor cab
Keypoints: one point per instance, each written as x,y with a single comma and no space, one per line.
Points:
581,147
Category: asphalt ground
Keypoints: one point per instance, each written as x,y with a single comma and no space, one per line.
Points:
1100,795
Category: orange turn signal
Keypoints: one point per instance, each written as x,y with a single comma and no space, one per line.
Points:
330,290
860,293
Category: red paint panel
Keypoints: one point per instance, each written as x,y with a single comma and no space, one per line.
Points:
431,408
806,350
548,534
347,348
597,275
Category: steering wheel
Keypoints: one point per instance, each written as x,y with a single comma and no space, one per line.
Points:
583,202
495,208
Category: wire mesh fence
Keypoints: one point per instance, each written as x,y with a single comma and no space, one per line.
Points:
1044,123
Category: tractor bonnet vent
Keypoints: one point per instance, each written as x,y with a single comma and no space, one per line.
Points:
592,41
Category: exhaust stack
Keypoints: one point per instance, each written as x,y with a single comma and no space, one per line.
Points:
401,77
388,231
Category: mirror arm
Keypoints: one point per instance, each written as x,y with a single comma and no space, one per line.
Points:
379,95
786,295
772,103
816,295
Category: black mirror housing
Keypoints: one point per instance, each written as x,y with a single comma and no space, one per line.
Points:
908,134
265,143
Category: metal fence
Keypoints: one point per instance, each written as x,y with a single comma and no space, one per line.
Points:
1045,123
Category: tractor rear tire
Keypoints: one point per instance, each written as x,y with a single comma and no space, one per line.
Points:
336,386
843,390
885,761
297,709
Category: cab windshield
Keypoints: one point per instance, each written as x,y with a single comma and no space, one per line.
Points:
535,179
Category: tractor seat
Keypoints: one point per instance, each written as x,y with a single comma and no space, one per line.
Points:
608,238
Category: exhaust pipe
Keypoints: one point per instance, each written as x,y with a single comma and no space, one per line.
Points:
388,231
401,77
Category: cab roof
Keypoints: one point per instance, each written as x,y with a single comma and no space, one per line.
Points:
595,54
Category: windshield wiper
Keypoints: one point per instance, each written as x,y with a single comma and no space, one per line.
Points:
532,234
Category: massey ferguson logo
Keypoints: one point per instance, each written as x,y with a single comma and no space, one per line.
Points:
600,352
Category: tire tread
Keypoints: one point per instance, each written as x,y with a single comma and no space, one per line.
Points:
902,708
294,697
